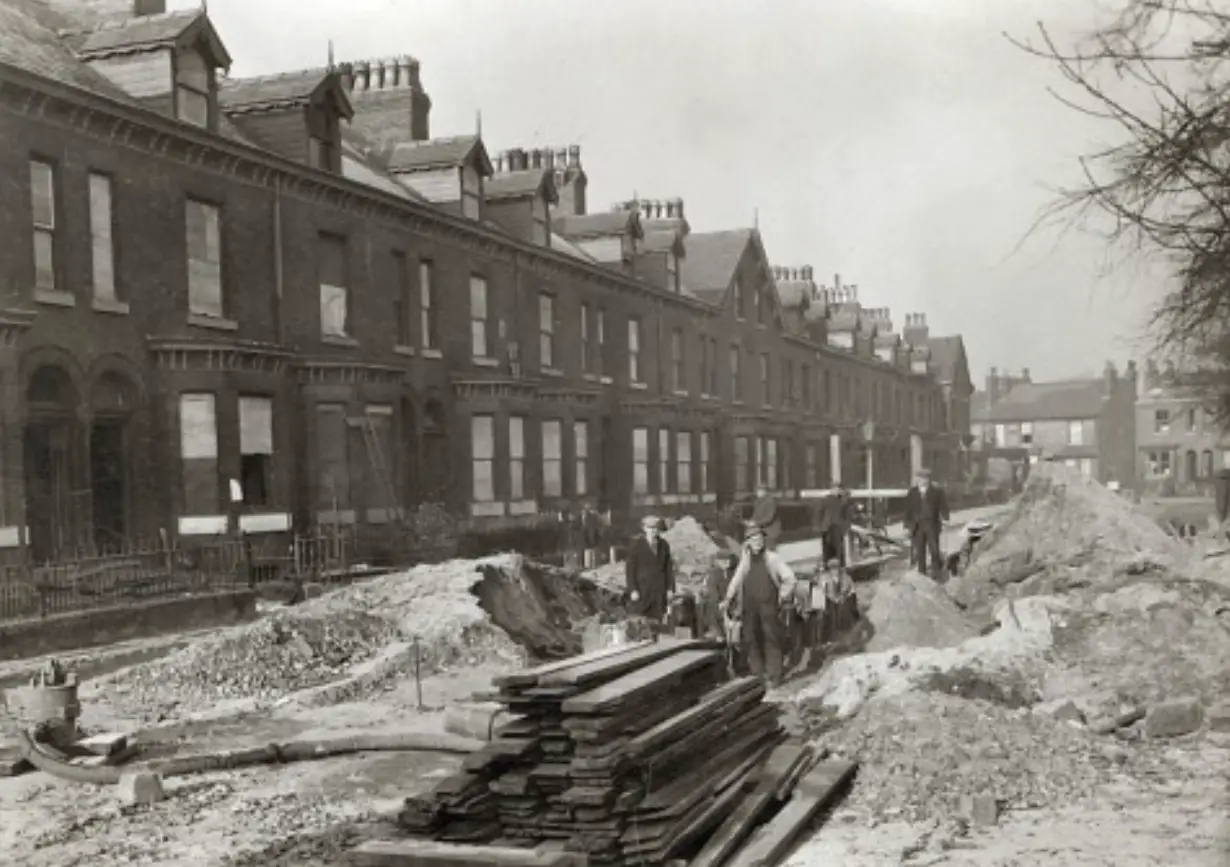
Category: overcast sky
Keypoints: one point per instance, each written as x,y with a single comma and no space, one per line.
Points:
903,144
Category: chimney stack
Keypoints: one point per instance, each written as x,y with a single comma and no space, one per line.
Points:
141,8
1025,374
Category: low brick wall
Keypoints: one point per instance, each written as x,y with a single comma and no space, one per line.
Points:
21,639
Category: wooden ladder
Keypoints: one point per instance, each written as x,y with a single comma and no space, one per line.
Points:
379,465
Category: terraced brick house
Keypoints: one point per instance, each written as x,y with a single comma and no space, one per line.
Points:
1088,424
263,305
1180,444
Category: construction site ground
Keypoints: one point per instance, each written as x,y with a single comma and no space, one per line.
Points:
940,709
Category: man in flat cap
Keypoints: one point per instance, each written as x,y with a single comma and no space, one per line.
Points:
763,584
650,572
926,510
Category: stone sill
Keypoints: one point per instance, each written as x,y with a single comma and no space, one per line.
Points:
339,340
407,351
110,305
551,371
216,323
606,380
486,362
432,353
54,298
639,386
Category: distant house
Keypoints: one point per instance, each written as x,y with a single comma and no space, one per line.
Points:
1180,446
1088,424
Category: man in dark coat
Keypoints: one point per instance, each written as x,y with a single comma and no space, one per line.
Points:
835,520
650,572
926,510
764,515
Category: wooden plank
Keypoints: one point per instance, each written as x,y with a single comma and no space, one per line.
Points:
630,686
715,701
781,764
602,670
529,676
422,853
813,792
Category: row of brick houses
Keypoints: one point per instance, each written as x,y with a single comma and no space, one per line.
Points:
1088,424
1181,446
256,305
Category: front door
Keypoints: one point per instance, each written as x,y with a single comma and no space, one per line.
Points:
108,483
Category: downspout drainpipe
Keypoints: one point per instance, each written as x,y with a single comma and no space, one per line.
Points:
278,269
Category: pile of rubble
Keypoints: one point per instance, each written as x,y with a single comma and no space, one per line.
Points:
430,614
692,550
1065,521
925,755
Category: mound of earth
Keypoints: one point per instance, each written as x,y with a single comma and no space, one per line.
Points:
911,610
494,611
1064,518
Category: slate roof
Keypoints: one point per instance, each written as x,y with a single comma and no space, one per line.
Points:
946,355
438,153
711,260
28,40
559,242
660,240
1046,401
274,92
794,293
598,225
522,184
146,33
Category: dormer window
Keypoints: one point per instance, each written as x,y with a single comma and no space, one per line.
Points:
165,60
193,88
298,115
446,171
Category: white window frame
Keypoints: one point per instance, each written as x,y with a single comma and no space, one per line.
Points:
552,458
480,319
43,174
634,349
664,460
705,446
546,330
683,462
428,323
1076,433
580,456
1161,421
640,460
516,458
482,489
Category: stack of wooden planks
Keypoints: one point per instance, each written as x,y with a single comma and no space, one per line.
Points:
629,755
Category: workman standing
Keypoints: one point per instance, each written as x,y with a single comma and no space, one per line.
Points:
761,587
650,572
764,515
835,523
926,510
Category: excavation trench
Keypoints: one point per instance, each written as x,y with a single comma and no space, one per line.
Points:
543,609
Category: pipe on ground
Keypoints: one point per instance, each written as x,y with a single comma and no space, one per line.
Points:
45,758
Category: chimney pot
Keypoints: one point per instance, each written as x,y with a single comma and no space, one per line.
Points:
561,159
574,156
678,207
536,158
548,158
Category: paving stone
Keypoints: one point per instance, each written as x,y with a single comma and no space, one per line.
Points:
141,789
1174,718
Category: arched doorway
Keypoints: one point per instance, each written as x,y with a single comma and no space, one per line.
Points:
53,504
112,401
435,474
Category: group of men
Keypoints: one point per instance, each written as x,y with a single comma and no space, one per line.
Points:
760,583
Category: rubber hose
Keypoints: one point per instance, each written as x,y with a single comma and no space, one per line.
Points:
43,758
